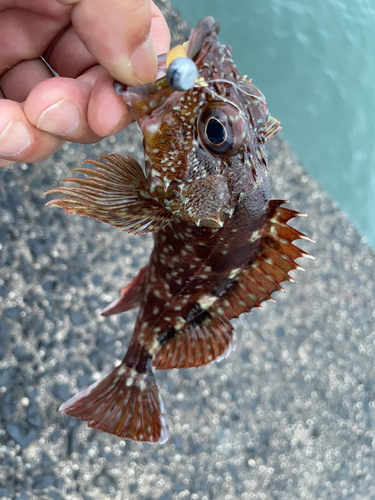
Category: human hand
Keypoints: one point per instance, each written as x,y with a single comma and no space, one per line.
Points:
88,43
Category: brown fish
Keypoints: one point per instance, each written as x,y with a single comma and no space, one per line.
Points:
221,246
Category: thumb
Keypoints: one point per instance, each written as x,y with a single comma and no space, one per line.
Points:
117,34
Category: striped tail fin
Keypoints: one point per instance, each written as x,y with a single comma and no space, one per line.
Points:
125,403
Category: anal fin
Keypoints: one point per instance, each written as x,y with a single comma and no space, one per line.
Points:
116,193
131,295
196,345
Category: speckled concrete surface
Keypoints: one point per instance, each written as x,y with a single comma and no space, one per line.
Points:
289,415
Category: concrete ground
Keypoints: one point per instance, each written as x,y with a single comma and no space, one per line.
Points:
289,415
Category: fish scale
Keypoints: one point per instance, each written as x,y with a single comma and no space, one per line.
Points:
221,245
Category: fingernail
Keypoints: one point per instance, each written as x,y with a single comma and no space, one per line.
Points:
144,62
14,139
62,118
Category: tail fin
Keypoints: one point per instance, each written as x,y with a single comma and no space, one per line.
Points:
124,403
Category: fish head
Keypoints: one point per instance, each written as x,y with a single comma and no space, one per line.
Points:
215,128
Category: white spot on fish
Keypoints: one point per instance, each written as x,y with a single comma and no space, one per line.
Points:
121,370
206,301
234,273
179,323
154,127
255,236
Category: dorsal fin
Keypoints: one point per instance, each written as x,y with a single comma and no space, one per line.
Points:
272,127
116,193
273,260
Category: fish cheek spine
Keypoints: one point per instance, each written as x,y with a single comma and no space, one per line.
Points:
221,246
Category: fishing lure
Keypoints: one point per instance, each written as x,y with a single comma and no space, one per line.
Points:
221,245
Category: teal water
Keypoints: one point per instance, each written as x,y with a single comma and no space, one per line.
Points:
315,62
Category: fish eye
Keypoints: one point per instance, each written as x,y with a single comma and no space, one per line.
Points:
215,132
222,129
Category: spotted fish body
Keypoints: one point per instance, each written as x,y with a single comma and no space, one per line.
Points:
221,246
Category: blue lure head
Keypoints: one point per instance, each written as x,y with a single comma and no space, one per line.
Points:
182,74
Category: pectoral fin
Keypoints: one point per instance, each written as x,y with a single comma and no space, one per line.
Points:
116,193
